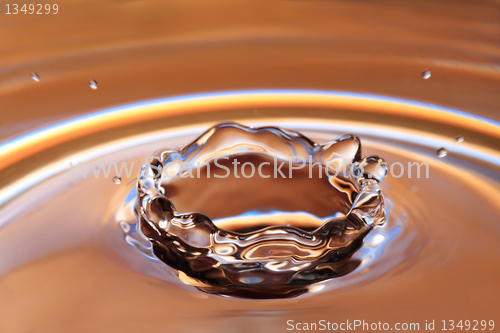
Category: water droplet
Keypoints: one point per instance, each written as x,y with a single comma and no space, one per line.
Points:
442,152
93,84
117,180
35,77
124,226
426,74
459,138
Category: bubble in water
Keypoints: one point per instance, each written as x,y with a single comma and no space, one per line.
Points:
459,138
442,152
93,84
35,77
355,170
426,74
117,180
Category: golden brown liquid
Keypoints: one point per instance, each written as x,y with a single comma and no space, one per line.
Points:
65,264
72,268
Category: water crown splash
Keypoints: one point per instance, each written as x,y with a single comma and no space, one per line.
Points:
259,212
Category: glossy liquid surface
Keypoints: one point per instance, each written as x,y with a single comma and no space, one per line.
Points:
69,263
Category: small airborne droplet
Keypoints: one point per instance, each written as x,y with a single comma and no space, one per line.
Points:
442,152
117,180
426,74
459,138
93,84
35,77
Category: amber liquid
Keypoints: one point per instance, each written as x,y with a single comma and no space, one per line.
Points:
68,263
72,265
